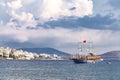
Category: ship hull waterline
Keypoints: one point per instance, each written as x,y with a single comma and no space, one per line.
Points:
79,61
85,61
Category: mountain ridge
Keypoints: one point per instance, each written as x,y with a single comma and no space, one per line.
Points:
45,50
111,55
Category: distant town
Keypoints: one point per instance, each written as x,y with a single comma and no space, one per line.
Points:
14,54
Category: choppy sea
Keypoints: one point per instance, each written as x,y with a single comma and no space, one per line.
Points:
58,70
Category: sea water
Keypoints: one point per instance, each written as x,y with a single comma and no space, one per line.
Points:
58,70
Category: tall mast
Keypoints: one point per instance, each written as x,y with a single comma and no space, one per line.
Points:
90,47
85,48
82,48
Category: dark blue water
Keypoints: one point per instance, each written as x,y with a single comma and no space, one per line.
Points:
58,70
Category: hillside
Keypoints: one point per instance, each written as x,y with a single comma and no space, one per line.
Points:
111,55
45,50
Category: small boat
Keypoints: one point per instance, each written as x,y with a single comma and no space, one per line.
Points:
86,54
108,62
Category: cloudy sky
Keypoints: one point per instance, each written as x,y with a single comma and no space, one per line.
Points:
60,24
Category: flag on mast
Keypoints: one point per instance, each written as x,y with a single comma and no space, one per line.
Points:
84,41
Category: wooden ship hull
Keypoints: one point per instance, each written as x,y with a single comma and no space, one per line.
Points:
87,59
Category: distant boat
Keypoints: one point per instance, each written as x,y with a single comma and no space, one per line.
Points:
108,62
86,54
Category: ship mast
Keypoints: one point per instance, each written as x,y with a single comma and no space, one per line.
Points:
85,48
82,48
90,47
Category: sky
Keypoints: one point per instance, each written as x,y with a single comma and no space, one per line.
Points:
60,24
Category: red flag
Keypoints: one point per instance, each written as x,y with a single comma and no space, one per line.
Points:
84,41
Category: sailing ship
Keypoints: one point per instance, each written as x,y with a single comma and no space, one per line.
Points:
86,53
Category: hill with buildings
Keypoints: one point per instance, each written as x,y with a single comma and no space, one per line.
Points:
45,50
30,54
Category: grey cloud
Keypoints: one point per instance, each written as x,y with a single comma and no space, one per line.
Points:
96,22
4,16
14,44
115,3
73,8
44,42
